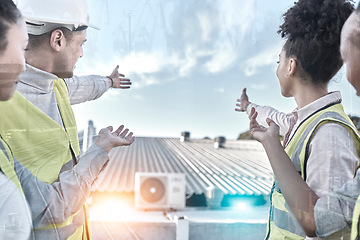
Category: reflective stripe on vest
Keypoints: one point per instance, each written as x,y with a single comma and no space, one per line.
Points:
356,221
282,223
40,143
7,165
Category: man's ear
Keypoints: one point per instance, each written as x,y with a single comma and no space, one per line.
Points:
293,65
57,40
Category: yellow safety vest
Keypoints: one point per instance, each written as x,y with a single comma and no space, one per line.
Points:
356,221
282,223
7,165
40,143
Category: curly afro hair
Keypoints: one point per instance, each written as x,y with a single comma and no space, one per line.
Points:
312,29
9,14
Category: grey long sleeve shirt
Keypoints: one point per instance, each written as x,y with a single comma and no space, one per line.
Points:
55,203
37,87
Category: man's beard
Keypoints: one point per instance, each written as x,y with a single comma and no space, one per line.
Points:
64,74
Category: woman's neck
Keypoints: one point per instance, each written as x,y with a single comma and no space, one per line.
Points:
309,93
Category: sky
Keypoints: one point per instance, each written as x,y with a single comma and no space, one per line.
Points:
188,62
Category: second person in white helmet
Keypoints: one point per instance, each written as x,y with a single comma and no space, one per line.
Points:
39,123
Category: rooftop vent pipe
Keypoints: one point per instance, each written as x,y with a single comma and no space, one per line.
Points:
185,136
214,196
219,142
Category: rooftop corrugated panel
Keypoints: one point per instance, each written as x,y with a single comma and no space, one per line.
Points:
240,168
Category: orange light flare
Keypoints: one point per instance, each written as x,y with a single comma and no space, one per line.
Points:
112,209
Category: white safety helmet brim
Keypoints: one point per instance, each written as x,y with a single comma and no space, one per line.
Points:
38,27
45,14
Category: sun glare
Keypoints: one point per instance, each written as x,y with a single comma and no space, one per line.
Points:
242,206
111,209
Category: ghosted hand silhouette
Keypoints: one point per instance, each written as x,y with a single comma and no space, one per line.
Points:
243,102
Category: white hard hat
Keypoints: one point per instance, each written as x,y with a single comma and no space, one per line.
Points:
42,16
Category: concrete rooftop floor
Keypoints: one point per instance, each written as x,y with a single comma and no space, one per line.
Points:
201,223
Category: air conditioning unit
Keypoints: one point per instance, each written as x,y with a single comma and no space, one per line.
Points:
159,190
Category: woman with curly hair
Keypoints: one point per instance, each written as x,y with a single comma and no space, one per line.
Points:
320,147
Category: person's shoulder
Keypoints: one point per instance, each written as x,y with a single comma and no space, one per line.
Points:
334,130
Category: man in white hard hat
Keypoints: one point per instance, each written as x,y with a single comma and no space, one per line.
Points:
42,125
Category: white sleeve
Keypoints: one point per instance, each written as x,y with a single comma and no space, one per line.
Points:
86,88
331,165
333,213
280,118
54,203
15,219
332,158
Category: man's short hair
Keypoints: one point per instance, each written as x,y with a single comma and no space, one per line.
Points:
36,41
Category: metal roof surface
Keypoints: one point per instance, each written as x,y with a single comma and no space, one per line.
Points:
240,168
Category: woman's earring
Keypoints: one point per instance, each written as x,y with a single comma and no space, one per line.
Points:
287,75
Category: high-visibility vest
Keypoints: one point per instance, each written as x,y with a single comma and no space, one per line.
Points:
282,223
40,143
14,209
7,165
356,221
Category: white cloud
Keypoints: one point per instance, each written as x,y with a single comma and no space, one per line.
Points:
239,15
264,58
259,86
86,68
142,62
187,63
222,59
80,116
112,92
219,90
138,97
206,26
201,39
143,80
